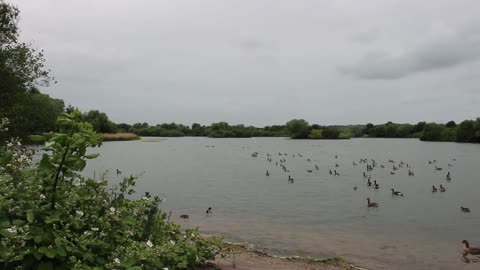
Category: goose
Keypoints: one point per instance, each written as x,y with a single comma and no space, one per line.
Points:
397,193
442,188
469,250
465,209
309,171
184,216
438,168
267,174
209,210
371,204
410,173
355,188
316,167
290,179
382,166
434,189
392,173
369,183
336,173
336,165
330,171
354,164
375,185
118,171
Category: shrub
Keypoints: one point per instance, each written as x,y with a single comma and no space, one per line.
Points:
52,218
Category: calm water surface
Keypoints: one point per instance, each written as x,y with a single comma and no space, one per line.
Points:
320,214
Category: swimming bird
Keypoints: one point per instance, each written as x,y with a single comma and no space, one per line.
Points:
397,193
118,171
469,250
434,189
267,174
392,173
442,188
355,188
290,179
309,171
209,210
438,168
184,216
465,209
375,185
371,204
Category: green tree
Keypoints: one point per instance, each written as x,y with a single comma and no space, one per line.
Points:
298,128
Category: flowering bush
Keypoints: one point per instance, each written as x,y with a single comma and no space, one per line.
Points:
52,218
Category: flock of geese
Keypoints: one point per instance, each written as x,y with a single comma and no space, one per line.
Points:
370,166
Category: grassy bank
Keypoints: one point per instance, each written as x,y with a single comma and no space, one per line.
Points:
119,137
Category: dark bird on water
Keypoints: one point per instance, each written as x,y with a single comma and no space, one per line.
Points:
209,210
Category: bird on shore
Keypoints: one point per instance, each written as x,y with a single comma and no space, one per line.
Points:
469,250
397,193
465,209
371,204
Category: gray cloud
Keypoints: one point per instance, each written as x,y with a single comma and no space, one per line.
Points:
455,50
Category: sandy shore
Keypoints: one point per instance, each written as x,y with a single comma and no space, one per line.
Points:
240,257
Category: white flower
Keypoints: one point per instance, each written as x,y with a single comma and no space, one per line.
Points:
172,242
18,143
94,229
12,229
80,213
42,197
145,198
149,243
165,268
87,233
9,144
112,210
116,260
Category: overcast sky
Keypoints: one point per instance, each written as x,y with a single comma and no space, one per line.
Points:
262,62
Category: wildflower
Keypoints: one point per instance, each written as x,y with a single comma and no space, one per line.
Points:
112,210
116,260
172,242
87,233
12,229
145,198
80,213
149,243
42,197
9,144
165,268
94,229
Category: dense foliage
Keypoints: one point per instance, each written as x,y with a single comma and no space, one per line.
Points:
52,218
21,73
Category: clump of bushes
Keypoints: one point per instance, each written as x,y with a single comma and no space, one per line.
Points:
52,218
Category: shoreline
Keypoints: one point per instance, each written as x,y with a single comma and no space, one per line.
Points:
246,256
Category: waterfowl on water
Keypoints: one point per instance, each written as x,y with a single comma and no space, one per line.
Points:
465,209
336,173
309,171
371,204
267,173
469,250
397,193
330,171
410,173
438,168
184,216
392,173
434,189
375,185
118,171
290,179
369,183
355,188
209,210
442,188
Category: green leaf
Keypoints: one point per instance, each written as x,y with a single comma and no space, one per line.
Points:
30,216
92,156
51,253
37,239
37,138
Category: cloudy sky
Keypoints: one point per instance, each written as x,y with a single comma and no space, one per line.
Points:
262,62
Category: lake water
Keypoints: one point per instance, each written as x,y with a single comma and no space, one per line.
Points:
318,215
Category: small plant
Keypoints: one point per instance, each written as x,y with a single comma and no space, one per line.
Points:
52,218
